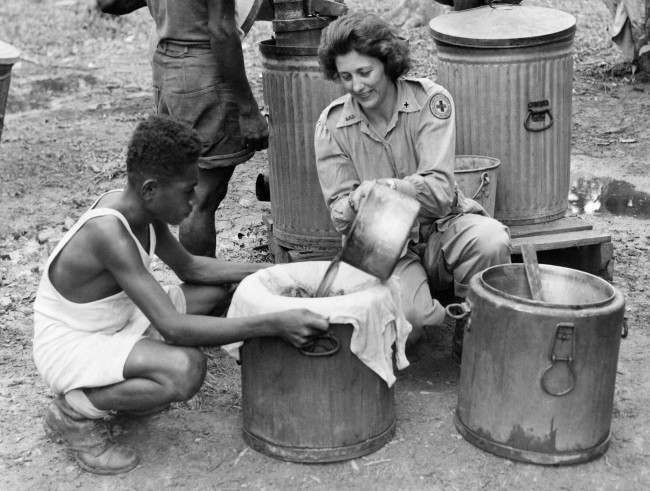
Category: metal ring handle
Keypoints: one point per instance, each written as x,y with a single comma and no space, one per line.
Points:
458,311
323,345
546,380
485,180
626,329
559,378
538,111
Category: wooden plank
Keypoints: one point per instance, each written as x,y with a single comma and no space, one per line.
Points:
532,270
566,224
561,240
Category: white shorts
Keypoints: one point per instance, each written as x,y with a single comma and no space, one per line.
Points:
89,359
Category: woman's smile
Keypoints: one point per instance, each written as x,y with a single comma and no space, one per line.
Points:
364,78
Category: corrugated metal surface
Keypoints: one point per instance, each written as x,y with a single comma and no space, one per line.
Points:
295,93
492,89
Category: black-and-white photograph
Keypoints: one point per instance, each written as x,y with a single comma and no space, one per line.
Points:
325,244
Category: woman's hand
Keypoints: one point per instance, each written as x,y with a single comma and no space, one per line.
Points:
359,194
400,185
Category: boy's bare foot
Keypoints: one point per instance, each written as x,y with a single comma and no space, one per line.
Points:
89,439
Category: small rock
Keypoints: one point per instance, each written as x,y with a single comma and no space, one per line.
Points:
245,203
68,223
5,303
46,235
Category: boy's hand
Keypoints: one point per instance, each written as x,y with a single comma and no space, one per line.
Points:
297,326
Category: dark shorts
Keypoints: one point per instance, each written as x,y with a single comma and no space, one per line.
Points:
188,88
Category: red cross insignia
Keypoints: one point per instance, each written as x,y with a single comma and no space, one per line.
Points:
440,106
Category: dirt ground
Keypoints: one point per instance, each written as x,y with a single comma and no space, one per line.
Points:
80,88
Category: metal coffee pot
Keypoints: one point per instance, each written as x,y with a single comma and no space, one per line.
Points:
378,235
380,231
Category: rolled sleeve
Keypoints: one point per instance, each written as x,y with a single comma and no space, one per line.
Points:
336,174
435,146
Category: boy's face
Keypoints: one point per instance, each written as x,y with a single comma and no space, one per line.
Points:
172,202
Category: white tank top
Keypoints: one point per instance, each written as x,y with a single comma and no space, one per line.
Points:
109,314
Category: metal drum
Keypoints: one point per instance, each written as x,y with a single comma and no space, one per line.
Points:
509,69
537,378
8,57
314,406
295,93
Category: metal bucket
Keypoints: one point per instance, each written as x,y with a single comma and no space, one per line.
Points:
476,177
537,378
509,69
316,406
295,93
8,57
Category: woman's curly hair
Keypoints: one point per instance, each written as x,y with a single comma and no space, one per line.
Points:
367,34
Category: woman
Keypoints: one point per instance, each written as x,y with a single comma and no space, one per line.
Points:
400,132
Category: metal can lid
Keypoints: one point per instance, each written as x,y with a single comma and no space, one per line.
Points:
503,26
8,54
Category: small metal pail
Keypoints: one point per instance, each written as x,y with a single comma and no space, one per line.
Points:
380,231
476,177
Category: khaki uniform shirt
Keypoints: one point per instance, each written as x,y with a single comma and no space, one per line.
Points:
418,147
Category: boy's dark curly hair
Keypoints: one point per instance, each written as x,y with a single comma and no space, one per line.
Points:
161,148
367,34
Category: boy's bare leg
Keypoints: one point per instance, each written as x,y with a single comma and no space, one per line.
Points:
157,373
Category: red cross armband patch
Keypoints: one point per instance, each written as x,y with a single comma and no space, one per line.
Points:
440,106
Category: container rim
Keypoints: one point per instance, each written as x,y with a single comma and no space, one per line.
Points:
494,164
446,29
9,55
541,303
268,47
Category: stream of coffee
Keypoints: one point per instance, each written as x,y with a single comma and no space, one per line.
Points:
326,283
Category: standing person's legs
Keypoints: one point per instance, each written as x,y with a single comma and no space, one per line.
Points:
197,232
188,87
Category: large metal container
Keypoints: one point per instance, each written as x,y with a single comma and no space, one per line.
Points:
8,57
322,405
295,93
509,69
537,378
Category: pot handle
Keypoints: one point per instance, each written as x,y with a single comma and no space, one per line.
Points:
626,329
323,345
485,180
559,379
459,311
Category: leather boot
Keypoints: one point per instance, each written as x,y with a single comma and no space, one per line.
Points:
89,439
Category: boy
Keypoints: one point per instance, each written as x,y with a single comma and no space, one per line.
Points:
107,335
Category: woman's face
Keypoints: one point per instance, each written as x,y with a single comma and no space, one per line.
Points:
364,78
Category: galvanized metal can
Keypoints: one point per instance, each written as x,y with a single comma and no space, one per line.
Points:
295,93
509,69
537,378
8,57
315,405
